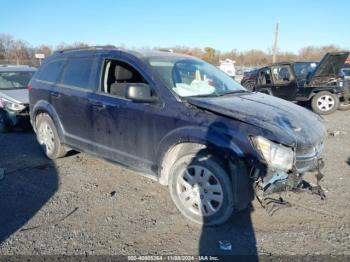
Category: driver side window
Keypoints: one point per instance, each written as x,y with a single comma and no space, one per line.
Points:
282,74
118,76
264,77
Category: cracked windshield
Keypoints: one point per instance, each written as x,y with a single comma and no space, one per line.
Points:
189,77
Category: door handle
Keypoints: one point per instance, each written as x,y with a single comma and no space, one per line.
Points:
97,105
55,94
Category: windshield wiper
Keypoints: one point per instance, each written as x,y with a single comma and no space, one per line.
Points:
217,94
206,95
234,92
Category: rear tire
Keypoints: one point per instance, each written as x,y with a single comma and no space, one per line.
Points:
48,138
324,103
201,189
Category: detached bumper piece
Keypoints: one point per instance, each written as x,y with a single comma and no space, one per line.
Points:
280,181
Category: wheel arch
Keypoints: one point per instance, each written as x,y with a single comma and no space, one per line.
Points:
179,142
44,107
318,90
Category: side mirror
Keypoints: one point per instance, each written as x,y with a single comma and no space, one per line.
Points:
140,92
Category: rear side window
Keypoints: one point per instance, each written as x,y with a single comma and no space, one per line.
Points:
51,71
78,72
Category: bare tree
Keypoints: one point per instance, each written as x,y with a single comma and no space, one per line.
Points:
19,52
64,45
316,53
6,42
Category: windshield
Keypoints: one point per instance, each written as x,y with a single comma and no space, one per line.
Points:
192,77
15,80
302,69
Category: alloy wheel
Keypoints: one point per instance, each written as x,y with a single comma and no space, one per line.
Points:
325,102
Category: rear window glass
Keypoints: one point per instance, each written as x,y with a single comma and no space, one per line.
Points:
15,80
51,71
78,72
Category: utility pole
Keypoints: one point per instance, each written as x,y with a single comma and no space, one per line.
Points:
275,46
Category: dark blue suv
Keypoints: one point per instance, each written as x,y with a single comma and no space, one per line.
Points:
177,119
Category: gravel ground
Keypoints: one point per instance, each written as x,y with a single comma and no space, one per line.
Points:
83,205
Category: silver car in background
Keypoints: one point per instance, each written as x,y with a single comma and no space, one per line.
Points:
14,101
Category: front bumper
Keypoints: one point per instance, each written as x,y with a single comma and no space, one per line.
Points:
270,181
12,118
279,181
307,158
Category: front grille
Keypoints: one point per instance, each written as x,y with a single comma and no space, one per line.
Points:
305,165
307,157
309,150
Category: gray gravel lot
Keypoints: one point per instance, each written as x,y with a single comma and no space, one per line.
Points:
83,205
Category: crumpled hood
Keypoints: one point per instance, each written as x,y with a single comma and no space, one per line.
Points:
19,96
302,126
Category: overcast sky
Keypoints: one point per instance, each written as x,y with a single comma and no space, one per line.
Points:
222,24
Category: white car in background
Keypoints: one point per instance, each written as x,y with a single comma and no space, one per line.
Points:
228,66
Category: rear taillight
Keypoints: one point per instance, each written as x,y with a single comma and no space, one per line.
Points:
29,87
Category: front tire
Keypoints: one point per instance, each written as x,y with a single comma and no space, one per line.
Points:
324,103
48,138
201,189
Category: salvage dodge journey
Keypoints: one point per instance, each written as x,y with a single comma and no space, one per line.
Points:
179,120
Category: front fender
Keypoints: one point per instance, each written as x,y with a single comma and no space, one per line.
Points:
199,135
337,90
220,144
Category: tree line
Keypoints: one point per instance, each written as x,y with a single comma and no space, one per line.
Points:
255,57
17,51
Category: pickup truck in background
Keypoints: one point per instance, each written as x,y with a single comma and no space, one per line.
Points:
319,84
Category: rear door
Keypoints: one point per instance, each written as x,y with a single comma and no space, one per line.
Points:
70,98
264,82
44,81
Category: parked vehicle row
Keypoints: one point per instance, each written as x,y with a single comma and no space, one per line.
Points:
320,84
178,119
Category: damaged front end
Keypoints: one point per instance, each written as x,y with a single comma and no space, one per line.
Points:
283,170
13,113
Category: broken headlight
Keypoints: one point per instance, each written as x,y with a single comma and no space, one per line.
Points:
12,106
276,156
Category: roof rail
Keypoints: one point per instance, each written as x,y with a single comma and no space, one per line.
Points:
87,48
